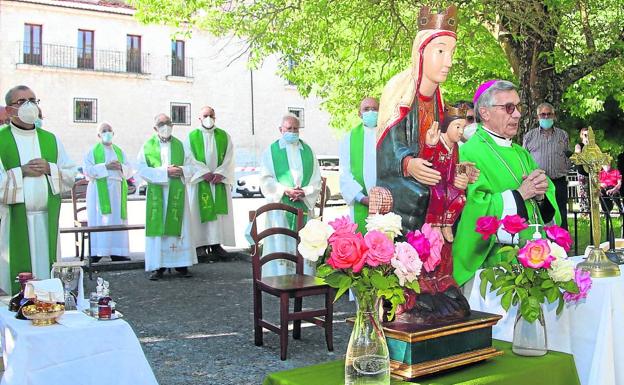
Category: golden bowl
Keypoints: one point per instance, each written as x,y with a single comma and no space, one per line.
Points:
43,318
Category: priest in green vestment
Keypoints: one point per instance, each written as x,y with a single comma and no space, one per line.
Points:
358,162
290,174
210,188
34,171
510,182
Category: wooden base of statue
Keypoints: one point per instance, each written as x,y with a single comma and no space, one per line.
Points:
417,350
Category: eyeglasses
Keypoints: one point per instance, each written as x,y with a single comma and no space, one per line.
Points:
470,119
510,108
19,102
546,115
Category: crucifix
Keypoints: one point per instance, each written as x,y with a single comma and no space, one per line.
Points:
173,247
592,159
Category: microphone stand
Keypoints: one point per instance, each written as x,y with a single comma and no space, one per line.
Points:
614,255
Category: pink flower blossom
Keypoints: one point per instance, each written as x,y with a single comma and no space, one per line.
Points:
487,226
380,248
584,283
419,242
560,236
342,225
347,252
536,254
406,263
434,236
513,224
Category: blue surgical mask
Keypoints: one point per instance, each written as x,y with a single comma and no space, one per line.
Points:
546,123
107,137
291,137
38,123
369,118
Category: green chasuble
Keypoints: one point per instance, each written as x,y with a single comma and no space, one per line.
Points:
356,157
210,206
99,157
283,176
172,224
484,198
19,250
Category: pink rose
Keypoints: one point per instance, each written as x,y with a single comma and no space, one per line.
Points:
487,226
406,263
342,225
536,254
560,236
513,224
347,252
434,236
584,283
420,243
380,248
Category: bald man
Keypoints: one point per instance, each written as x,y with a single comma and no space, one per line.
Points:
358,162
107,168
290,174
210,188
167,168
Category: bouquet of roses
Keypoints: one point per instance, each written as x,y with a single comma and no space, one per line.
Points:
378,264
538,271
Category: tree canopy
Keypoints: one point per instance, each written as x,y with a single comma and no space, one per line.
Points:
567,52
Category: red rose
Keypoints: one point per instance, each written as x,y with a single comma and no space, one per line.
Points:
487,226
560,236
419,242
348,252
513,224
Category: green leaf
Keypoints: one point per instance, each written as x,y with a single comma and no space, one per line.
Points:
530,309
324,270
413,285
489,275
569,286
560,305
530,273
522,292
547,284
536,292
552,294
506,300
483,287
335,278
340,292
379,282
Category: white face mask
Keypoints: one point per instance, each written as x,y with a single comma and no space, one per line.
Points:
208,122
28,113
165,131
107,137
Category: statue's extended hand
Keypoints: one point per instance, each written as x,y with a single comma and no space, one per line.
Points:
433,134
421,170
471,171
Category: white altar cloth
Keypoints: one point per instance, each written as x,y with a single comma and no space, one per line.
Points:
592,330
90,352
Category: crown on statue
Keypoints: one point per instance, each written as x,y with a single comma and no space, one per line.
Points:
455,111
446,20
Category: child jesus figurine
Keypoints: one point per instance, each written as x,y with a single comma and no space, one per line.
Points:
448,197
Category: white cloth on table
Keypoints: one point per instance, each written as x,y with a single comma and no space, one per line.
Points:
273,192
94,353
168,251
221,230
349,188
104,244
590,330
48,290
33,192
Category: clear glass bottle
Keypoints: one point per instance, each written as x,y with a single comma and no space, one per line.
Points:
530,338
367,360
104,309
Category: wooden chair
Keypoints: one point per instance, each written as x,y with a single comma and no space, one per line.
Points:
284,287
79,191
320,203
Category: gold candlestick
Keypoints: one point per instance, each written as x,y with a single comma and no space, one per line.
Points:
592,159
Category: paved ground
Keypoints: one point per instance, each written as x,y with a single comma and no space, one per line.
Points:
200,330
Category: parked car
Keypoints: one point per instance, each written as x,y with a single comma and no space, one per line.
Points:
249,185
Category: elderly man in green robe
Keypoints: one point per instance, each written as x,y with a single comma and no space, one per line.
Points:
510,181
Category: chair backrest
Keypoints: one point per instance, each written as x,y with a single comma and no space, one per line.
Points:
79,192
257,260
320,203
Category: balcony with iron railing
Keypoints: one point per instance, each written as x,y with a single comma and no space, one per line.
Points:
180,67
60,56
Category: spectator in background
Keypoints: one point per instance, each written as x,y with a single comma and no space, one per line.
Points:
549,147
583,180
610,183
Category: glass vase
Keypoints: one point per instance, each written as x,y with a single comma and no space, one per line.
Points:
367,360
530,338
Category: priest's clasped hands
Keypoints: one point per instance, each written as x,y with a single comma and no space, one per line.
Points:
213,178
36,167
534,185
175,172
114,165
295,194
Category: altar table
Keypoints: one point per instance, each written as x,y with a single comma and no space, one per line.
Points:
592,331
91,352
509,369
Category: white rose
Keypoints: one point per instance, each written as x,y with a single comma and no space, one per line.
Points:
389,223
557,251
314,236
561,270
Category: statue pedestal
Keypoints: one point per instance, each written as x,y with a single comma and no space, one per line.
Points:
417,350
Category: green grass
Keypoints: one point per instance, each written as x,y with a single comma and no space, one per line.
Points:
583,231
